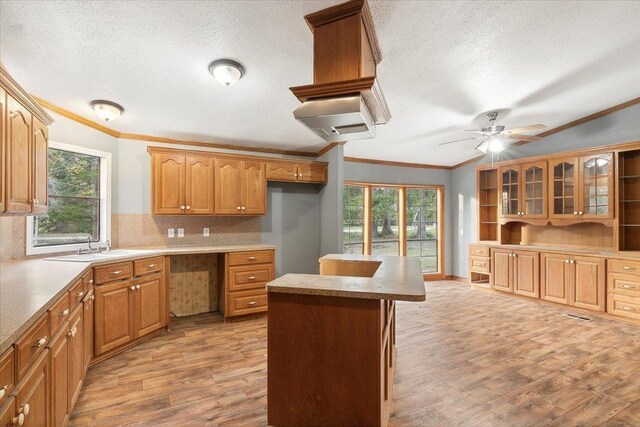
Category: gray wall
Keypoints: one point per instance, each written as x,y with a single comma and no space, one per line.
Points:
331,204
366,172
292,225
615,128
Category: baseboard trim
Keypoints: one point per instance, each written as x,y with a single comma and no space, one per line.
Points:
456,278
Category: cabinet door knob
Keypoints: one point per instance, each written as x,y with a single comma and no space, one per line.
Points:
243,208
19,420
566,261
299,175
295,174
133,288
25,409
91,281
42,341
64,312
3,390
137,286
35,202
575,213
188,207
182,207
238,208
580,213
93,297
80,294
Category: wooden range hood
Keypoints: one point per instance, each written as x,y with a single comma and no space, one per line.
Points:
345,56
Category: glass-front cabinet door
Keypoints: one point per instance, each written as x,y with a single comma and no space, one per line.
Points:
596,185
534,190
510,191
563,195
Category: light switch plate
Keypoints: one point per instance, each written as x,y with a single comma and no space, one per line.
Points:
171,233
205,232
180,232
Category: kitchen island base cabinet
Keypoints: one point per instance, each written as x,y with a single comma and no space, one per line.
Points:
330,361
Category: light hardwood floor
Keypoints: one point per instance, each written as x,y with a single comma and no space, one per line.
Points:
465,358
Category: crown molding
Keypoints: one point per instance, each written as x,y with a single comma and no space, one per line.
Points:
393,163
19,94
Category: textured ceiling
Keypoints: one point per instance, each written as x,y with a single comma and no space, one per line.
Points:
444,65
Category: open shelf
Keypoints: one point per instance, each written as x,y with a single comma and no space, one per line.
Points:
488,204
629,201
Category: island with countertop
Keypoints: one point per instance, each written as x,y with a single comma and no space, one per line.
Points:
332,342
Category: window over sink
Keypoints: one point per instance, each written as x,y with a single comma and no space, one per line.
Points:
79,201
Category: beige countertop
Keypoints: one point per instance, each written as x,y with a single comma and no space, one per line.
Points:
397,278
563,249
28,288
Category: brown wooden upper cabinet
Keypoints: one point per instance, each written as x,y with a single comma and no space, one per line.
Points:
24,141
182,185
582,187
240,187
297,172
523,189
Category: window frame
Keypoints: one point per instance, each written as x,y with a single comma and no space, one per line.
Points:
105,203
402,220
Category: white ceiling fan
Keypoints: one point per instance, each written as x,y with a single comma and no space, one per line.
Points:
495,138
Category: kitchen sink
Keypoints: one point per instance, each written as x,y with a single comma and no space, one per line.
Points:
98,256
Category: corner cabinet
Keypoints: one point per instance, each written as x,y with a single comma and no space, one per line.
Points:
240,187
24,141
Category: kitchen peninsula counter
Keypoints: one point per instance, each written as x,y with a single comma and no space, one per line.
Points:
28,288
332,341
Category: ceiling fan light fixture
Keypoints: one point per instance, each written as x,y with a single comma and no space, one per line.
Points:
106,110
484,146
496,144
226,71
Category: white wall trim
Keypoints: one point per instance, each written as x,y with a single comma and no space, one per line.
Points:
105,202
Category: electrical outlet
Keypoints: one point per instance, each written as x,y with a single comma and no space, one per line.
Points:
180,232
205,232
171,233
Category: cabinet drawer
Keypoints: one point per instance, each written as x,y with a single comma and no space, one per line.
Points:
624,283
87,279
249,276
31,344
247,302
76,293
479,251
7,373
59,312
112,272
253,257
148,265
480,264
624,266
624,305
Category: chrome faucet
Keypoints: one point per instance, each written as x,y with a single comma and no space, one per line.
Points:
103,248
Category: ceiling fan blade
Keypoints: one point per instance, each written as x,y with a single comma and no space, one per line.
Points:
481,132
524,129
460,140
523,137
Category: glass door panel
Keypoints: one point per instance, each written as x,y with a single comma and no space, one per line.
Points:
564,174
353,219
597,172
385,237
509,191
534,189
422,227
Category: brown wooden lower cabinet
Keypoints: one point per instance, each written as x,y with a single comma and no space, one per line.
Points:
7,374
516,271
578,281
87,318
8,412
129,309
76,358
59,354
33,394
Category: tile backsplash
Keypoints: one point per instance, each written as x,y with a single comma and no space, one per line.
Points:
146,231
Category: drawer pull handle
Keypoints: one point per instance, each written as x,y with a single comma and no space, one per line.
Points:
42,341
80,294
91,281
151,265
25,409
3,390
626,267
251,258
19,420
628,286
252,303
116,273
626,308
64,313
252,278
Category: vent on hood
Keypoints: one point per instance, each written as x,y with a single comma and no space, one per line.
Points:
337,119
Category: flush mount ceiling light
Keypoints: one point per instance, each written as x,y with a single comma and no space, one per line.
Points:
226,71
107,110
